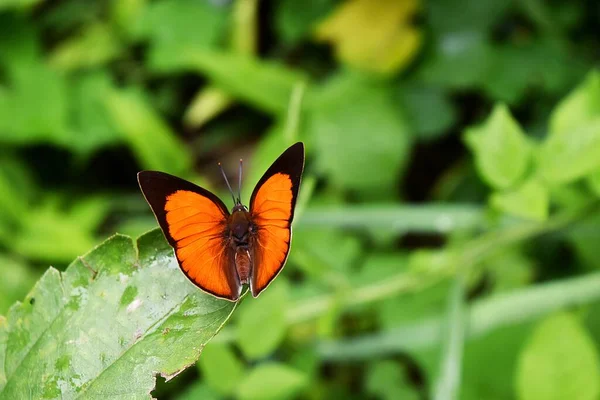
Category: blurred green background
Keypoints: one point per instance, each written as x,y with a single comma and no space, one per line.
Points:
446,243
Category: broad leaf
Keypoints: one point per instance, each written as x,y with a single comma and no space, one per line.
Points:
107,325
359,119
560,361
579,108
568,157
500,148
572,147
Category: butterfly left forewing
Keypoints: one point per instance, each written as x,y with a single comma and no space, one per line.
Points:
194,222
272,211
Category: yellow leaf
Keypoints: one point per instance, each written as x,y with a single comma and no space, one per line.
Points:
373,35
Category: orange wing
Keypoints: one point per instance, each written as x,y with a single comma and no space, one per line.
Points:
194,222
272,211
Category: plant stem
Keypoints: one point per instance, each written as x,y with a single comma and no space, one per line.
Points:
437,218
448,381
482,317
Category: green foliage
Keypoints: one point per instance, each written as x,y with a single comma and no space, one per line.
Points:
114,306
500,149
559,361
261,324
445,139
221,368
342,115
271,381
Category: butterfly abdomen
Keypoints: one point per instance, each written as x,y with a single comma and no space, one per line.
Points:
243,264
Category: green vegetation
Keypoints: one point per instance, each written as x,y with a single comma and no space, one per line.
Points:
447,231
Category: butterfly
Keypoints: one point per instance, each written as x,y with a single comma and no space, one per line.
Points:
220,251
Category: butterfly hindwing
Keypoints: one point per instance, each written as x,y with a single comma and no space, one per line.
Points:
194,221
272,211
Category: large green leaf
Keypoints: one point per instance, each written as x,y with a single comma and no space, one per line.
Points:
500,147
572,147
579,108
559,362
357,117
108,325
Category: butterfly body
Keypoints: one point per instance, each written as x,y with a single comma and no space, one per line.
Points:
220,251
241,236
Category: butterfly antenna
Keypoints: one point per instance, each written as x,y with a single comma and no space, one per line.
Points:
228,185
240,184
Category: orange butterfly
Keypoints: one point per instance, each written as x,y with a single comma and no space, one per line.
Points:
218,251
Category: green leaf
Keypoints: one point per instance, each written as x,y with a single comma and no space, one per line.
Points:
220,368
155,145
429,110
509,269
567,157
92,125
181,24
387,380
17,279
579,108
483,379
49,232
199,390
93,46
266,85
593,181
457,60
78,333
500,148
584,238
18,4
18,40
16,189
344,115
34,87
271,381
261,323
518,68
528,200
559,361
572,146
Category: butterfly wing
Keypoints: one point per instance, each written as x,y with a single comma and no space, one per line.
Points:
194,222
272,210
